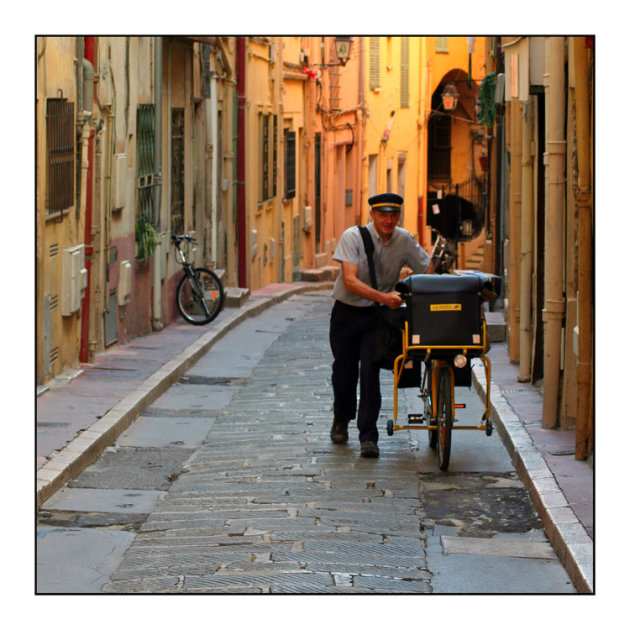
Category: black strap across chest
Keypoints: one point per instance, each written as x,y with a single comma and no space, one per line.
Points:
369,250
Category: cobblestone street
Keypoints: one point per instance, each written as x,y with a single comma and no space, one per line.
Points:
228,483
269,504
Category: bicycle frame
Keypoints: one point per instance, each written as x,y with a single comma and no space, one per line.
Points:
438,363
182,260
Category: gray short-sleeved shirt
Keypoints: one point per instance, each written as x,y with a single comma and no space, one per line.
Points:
389,258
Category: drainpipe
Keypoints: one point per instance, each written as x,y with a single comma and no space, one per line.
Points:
516,148
359,146
555,101
157,189
88,75
209,153
527,240
240,163
584,426
422,149
215,161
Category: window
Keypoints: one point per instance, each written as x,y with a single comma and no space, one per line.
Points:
439,132
289,164
318,189
177,171
372,174
268,139
441,44
145,148
264,157
60,141
275,155
404,72
375,60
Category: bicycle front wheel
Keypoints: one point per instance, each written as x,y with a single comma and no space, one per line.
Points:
428,394
199,296
444,416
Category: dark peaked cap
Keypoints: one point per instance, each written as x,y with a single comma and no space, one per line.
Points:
386,202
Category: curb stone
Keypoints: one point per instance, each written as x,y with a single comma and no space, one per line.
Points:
566,534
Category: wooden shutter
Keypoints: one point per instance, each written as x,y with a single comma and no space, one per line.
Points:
375,61
404,72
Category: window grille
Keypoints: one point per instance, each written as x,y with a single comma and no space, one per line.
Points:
265,157
275,156
177,171
375,60
441,44
404,72
145,149
289,164
60,141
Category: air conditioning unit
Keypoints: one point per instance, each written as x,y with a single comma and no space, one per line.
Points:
73,279
124,283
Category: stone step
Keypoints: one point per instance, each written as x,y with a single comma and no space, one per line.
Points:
495,326
321,274
236,296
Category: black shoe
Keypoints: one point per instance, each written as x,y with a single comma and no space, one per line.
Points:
369,449
339,433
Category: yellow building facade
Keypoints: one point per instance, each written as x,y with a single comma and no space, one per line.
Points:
406,77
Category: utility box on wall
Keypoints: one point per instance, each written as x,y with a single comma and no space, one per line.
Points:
73,279
124,283
119,185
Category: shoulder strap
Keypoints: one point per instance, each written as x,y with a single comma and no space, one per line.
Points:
369,250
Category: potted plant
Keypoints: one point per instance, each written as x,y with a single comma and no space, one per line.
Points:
146,238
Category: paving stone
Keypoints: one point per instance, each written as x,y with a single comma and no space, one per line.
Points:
392,585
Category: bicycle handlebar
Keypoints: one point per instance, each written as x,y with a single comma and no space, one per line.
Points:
178,238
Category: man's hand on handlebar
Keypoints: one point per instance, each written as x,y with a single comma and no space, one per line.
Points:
392,300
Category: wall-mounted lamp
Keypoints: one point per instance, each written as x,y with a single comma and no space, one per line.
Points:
343,45
449,97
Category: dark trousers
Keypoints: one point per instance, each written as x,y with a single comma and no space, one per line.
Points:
351,340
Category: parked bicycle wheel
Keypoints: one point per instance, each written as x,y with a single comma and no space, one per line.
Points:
199,297
444,416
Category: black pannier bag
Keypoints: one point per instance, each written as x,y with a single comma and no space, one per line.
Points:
443,310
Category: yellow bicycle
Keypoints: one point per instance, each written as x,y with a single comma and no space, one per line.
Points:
444,329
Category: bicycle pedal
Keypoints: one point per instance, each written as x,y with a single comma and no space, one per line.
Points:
415,418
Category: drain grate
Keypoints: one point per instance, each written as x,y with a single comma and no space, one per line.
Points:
212,380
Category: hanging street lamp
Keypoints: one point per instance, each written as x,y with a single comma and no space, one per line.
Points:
450,97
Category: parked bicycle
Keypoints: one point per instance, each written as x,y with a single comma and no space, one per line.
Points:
199,296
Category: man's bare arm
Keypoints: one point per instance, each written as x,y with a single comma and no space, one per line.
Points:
354,285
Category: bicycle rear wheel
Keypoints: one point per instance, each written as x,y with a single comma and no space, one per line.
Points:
444,416
199,298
